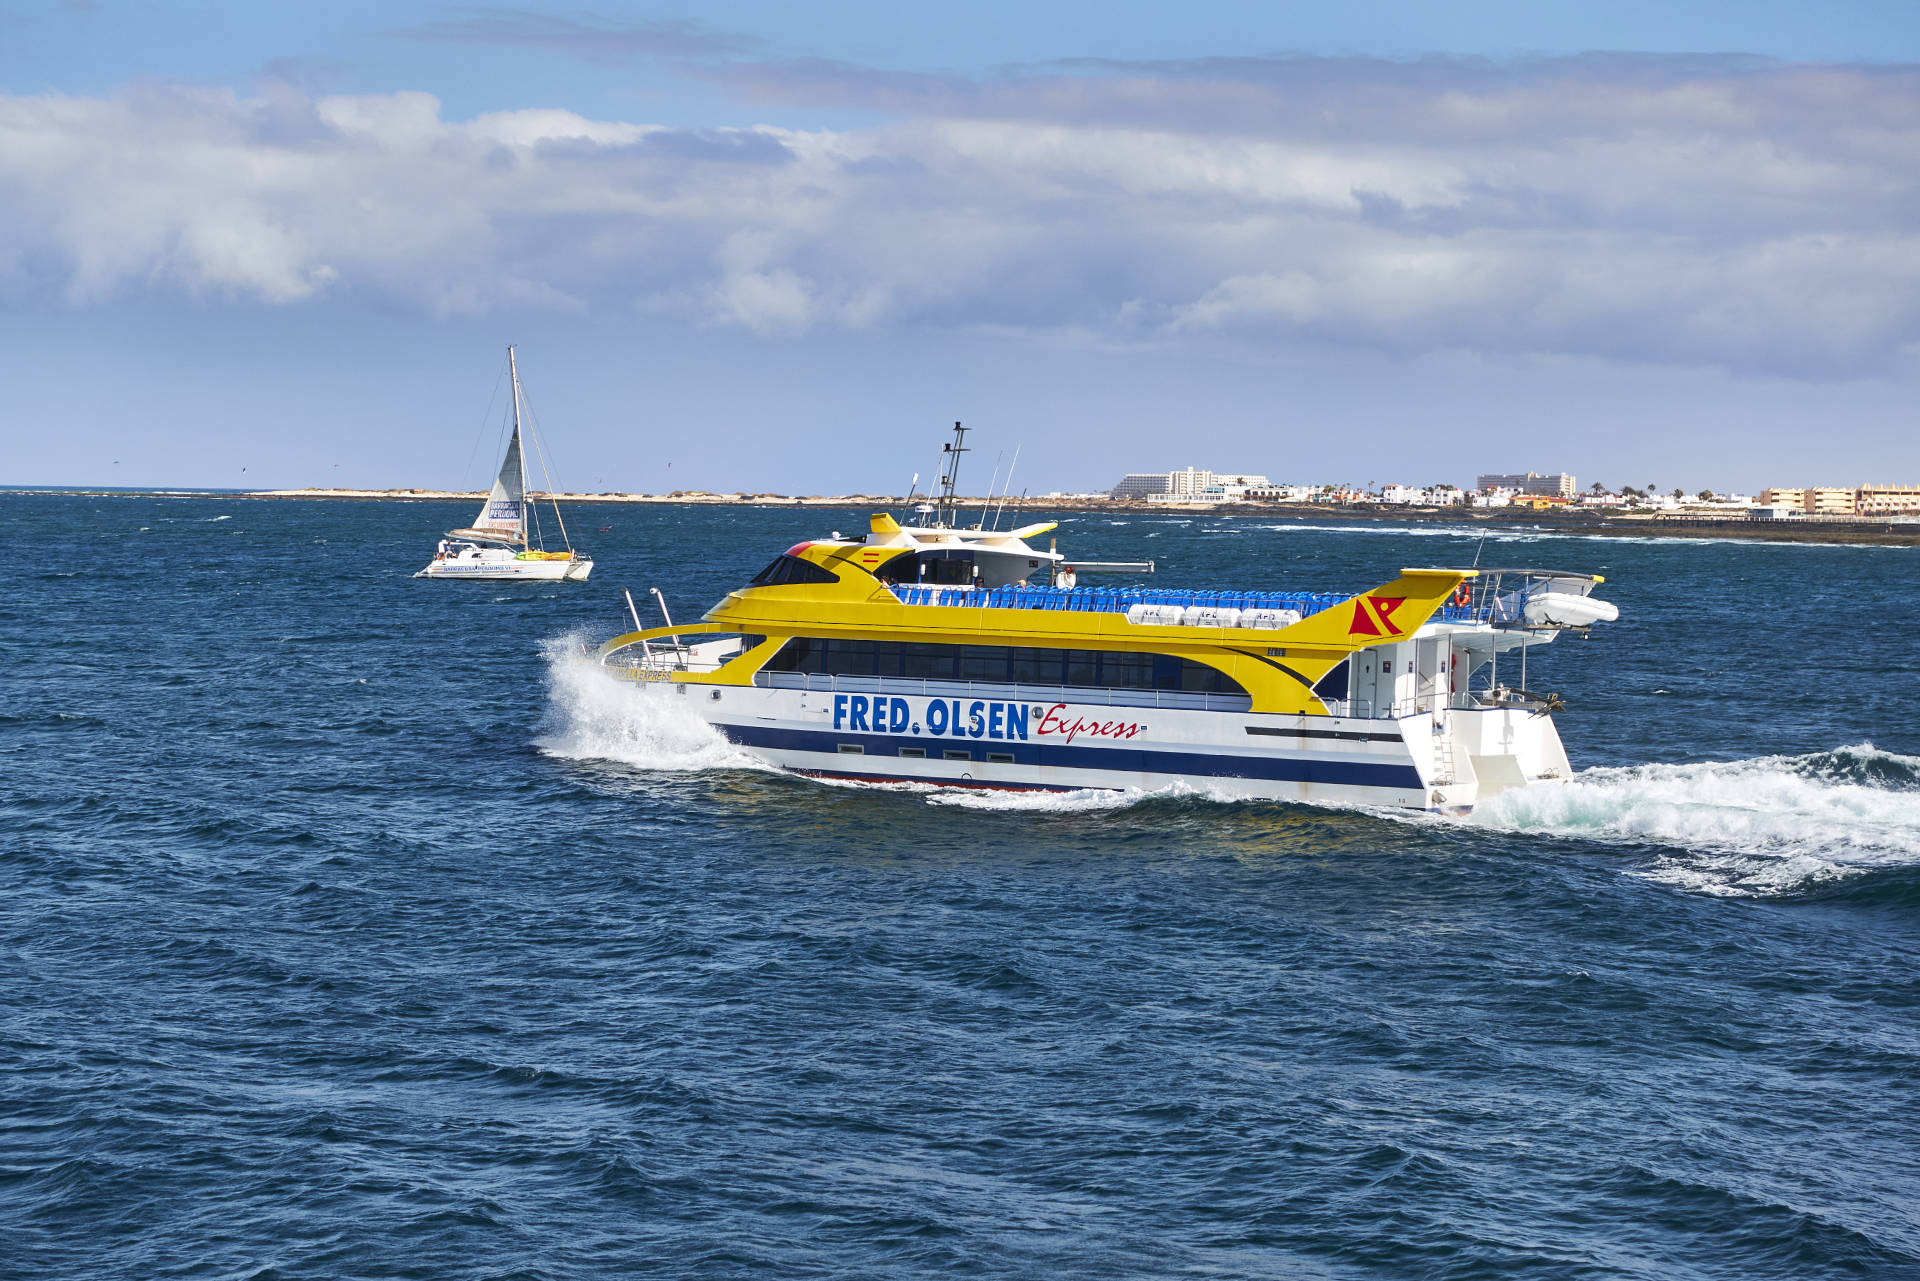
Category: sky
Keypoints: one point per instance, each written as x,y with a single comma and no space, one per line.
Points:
783,248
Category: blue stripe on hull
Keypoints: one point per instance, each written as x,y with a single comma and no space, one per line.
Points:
973,784
1124,760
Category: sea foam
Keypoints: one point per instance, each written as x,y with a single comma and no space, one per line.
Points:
591,715
1768,825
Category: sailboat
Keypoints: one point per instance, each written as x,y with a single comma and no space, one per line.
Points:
504,540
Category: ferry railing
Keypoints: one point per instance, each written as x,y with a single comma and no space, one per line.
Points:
1109,600
1117,600
662,657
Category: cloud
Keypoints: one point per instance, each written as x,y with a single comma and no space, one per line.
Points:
596,39
1695,211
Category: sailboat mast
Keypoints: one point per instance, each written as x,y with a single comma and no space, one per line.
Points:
513,379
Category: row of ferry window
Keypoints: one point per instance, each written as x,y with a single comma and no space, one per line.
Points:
1000,665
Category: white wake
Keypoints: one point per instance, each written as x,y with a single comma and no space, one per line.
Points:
593,716
1769,825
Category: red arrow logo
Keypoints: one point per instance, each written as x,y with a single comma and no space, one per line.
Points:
1377,621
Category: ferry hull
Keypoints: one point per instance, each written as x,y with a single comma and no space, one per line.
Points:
1444,762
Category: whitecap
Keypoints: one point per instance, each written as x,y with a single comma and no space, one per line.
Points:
1767,825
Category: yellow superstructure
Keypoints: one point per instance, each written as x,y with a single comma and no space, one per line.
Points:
1277,667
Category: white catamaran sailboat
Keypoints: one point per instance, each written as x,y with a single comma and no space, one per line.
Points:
504,540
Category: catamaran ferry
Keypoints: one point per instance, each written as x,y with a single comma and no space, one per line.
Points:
928,653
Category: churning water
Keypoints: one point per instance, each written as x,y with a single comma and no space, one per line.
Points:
357,926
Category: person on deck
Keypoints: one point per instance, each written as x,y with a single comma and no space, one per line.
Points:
1066,577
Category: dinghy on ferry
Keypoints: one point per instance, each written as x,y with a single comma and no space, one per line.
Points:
933,654
505,541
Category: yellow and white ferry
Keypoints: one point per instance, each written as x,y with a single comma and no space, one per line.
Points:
931,654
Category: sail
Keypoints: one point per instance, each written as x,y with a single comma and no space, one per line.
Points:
504,515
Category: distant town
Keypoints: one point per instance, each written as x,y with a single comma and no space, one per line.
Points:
1535,490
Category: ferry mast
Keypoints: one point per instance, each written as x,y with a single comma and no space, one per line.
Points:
949,476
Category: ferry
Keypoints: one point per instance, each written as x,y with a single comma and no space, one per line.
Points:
958,657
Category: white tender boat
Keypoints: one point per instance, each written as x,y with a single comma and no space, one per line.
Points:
504,541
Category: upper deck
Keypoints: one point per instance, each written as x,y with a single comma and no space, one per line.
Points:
1118,600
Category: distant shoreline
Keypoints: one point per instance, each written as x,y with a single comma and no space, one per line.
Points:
1855,530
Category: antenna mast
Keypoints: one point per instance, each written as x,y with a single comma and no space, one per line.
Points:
950,476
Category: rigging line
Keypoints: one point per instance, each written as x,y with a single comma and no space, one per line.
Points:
539,448
466,473
991,483
1008,486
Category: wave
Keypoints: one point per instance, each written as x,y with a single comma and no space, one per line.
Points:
1767,826
593,716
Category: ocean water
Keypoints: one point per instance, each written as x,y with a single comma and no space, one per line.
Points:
353,926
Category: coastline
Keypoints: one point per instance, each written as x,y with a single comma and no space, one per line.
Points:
1870,532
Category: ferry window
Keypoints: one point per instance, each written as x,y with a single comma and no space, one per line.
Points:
801,654
950,569
928,662
1334,684
999,665
1000,758
984,663
958,756
849,658
791,569
1127,671
913,751
1037,667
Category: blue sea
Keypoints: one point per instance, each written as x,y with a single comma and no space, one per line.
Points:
354,926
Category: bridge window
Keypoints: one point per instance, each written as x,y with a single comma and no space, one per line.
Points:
791,569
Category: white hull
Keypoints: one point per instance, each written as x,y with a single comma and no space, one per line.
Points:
509,570
1444,761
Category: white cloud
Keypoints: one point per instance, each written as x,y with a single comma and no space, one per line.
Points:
1759,218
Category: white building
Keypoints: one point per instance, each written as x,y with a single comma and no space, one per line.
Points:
1194,484
1554,484
1272,493
1140,485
